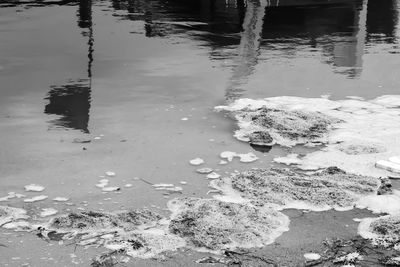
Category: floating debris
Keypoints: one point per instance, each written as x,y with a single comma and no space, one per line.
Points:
213,175
388,165
11,195
204,170
81,141
128,185
196,161
282,188
162,185
34,199
245,158
184,119
110,189
288,160
110,173
215,225
312,256
102,183
183,182
48,212
34,188
228,155
223,162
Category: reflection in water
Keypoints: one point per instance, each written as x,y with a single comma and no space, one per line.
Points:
249,45
245,33
72,101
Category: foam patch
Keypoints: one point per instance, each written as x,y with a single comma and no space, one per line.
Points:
383,231
282,188
216,225
138,233
357,133
10,215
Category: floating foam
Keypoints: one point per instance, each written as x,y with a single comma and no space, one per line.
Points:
34,199
282,188
60,199
196,161
214,225
389,203
204,170
312,256
34,188
357,133
245,158
110,189
110,173
11,195
137,233
288,160
48,212
10,214
213,175
383,231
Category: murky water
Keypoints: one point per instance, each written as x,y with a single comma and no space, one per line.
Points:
128,72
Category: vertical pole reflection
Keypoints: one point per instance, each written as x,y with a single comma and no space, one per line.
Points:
71,101
349,53
248,52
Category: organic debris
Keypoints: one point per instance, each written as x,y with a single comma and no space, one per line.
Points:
282,188
215,225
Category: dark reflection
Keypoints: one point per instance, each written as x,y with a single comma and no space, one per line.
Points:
72,103
262,149
382,19
72,100
241,30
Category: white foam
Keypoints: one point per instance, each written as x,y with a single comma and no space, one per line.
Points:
288,160
60,199
369,130
387,165
245,157
110,189
10,214
36,198
312,256
204,170
48,212
213,175
110,173
34,188
389,204
196,161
